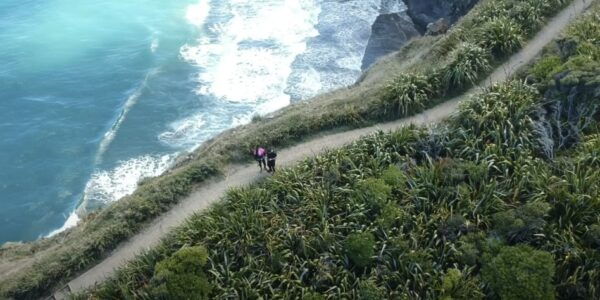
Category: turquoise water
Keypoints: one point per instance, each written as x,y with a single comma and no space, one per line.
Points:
95,96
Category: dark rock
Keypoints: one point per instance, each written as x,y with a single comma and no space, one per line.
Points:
388,34
424,12
438,27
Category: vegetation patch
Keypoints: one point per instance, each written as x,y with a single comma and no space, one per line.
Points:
454,63
489,205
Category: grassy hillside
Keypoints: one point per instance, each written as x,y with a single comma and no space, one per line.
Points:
500,202
426,72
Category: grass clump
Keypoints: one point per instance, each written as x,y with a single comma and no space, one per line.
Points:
502,36
409,93
547,67
466,65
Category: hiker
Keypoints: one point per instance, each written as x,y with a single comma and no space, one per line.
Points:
259,155
271,155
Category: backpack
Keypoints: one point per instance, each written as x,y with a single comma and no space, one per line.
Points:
259,153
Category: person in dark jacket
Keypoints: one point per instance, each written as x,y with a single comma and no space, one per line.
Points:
271,156
260,154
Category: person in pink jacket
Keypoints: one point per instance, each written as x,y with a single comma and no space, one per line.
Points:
260,155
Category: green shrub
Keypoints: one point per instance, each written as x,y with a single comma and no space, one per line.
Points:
466,63
181,276
408,93
313,296
393,177
547,67
374,192
360,248
592,236
501,36
489,10
509,110
520,224
586,29
589,50
458,285
368,290
391,216
520,272
473,246
528,15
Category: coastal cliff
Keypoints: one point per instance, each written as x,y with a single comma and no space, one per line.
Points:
388,34
424,12
400,21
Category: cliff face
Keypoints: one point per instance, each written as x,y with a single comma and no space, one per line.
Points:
390,31
399,22
423,12
388,34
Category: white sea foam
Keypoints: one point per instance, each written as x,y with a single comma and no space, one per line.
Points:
196,14
336,55
72,221
109,186
248,58
189,132
155,44
392,6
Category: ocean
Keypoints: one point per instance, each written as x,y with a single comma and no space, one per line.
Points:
96,95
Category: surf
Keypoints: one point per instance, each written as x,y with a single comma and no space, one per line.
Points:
196,69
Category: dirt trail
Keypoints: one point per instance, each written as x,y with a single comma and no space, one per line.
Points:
247,174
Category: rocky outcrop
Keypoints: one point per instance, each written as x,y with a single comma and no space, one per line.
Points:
394,27
424,12
388,34
438,27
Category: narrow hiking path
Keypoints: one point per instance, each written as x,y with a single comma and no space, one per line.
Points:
243,175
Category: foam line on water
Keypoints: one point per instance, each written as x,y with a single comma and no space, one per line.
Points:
109,136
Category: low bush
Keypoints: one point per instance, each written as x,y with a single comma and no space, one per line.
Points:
547,67
360,248
520,272
457,284
409,93
501,36
465,67
181,276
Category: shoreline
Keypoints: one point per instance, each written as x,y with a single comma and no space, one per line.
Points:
80,212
